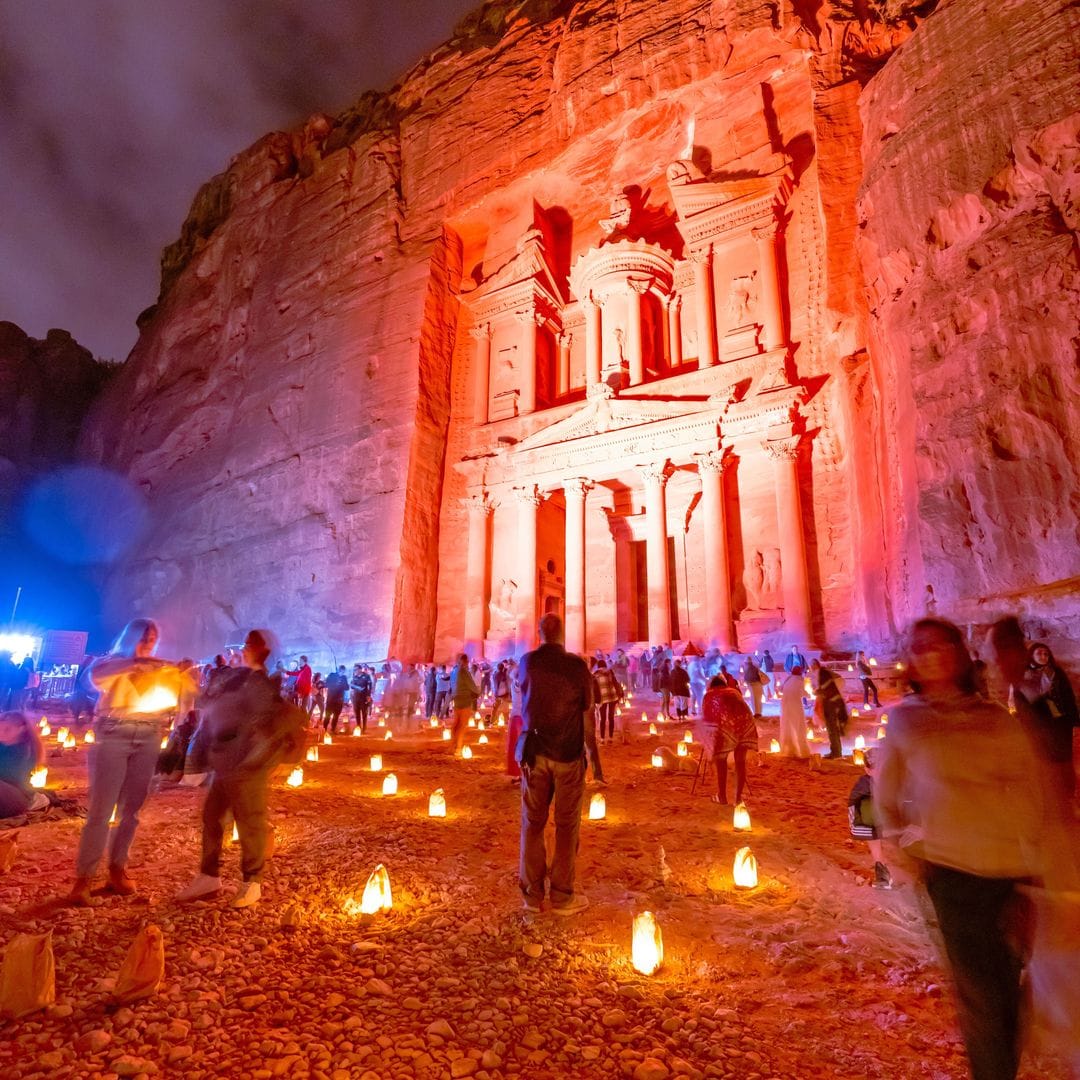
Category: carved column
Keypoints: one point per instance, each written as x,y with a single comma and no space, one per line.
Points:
528,321
593,340
789,520
476,572
705,302
575,491
634,355
717,573
566,339
772,305
654,476
528,502
481,383
673,306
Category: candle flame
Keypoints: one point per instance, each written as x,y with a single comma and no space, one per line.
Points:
647,948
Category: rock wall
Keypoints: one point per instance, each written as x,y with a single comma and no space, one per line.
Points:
288,408
968,213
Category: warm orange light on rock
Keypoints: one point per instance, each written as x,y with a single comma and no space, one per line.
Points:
164,742
597,807
389,784
745,869
377,895
436,804
375,762
235,837
740,819
39,776
112,816
647,948
296,777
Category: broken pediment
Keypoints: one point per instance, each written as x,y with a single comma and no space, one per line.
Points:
526,276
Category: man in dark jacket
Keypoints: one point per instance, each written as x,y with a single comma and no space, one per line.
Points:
362,686
556,702
830,700
337,686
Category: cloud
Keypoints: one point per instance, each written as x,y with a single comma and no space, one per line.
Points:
113,112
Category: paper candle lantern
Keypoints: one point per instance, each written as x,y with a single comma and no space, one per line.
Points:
382,722
433,722
740,820
296,777
389,784
88,738
597,807
647,949
46,731
860,742
69,742
658,760
644,718
873,662
501,722
858,757
467,753
112,816
43,722
312,753
482,741
652,729
476,715
810,736
472,721
681,750
885,718
164,742
357,733
375,762
881,733
745,869
39,776
688,737
446,735
377,896
388,736
61,736
480,725
235,833
774,746
328,739
436,804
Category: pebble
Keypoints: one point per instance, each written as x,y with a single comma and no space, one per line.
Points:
651,1069
533,949
614,1018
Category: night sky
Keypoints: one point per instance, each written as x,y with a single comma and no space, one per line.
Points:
113,112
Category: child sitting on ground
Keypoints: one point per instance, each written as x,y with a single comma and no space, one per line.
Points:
863,823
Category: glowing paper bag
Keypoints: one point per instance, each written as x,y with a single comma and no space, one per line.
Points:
28,982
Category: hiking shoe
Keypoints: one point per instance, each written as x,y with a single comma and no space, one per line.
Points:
120,883
576,904
247,895
202,888
531,906
882,877
80,893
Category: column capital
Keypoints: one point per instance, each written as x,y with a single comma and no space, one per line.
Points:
767,232
565,338
529,495
578,487
482,502
600,391
481,332
783,449
671,301
530,315
654,472
713,461
639,285
700,256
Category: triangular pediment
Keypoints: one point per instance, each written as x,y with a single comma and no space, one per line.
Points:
603,415
527,272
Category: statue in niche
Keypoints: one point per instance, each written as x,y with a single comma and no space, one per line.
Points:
754,580
619,213
741,300
503,617
771,588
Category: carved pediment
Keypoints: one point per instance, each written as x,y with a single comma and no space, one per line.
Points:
527,277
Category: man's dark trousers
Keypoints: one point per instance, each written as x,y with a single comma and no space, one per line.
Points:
547,782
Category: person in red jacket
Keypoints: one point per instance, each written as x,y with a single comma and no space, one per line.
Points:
302,692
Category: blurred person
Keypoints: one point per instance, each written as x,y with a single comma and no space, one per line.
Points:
303,685
557,706
753,680
21,751
442,692
361,685
245,732
830,706
727,727
430,687
500,687
337,686
607,695
464,694
8,675
794,659
408,694
863,819
515,723
792,717
768,667
960,788
866,672
127,733
680,690
662,679
318,697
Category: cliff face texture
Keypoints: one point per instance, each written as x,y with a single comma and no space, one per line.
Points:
969,209
298,402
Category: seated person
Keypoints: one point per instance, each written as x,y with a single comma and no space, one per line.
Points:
20,752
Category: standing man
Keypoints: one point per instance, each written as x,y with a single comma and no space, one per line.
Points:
794,659
866,678
302,687
429,691
361,685
768,668
557,702
337,686
465,694
830,700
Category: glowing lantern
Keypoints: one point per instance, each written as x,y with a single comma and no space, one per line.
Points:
389,784
164,742
774,746
388,736
88,738
501,722
885,718
482,741
808,687
112,816
69,742
436,804
480,726
810,736
855,713
157,699
658,760
881,733
688,737
433,722
61,736
296,777
39,776
851,667
681,750
382,722
472,721
377,896
647,949
873,662
597,807
618,711
858,757
328,739
46,731
356,732
740,820
899,666
235,833
745,869
375,762
43,722
860,742
644,718
476,715
652,729
312,753
446,735
467,753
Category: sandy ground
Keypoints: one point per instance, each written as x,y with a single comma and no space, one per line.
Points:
811,974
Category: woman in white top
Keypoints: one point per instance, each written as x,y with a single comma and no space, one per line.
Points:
792,718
